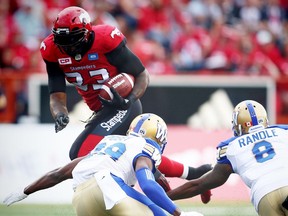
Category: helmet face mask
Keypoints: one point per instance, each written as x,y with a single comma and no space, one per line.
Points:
63,37
71,30
150,126
248,116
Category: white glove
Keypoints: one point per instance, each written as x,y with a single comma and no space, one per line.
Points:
14,197
192,213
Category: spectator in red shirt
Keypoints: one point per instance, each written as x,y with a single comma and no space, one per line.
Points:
153,21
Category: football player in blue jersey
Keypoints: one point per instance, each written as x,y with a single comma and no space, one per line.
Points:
257,153
103,180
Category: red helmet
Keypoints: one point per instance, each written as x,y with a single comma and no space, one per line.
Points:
71,29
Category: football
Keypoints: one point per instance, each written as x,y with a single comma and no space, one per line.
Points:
123,83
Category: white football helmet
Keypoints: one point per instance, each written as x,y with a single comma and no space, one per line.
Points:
248,116
151,126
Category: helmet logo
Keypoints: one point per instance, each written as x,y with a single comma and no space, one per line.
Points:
235,117
161,133
43,45
84,18
115,32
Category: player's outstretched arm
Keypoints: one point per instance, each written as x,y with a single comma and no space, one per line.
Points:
212,179
48,180
151,188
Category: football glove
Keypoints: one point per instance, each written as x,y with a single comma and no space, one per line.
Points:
118,102
14,197
61,121
162,181
192,213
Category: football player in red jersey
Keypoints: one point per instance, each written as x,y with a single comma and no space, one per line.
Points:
86,56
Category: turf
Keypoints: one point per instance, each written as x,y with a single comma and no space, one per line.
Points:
221,209
36,210
211,209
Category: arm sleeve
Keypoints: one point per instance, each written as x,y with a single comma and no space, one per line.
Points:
125,60
56,78
153,190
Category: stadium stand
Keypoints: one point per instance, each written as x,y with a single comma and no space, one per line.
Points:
170,37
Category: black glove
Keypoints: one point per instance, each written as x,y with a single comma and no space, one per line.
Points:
118,102
61,121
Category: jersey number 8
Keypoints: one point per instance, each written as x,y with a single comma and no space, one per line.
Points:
263,151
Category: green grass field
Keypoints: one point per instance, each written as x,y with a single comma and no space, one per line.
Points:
213,209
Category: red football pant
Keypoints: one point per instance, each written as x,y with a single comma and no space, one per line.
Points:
89,144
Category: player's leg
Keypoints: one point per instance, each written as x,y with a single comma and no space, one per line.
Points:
84,143
130,207
88,199
105,122
271,203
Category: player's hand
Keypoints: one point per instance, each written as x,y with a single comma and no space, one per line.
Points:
206,196
192,213
14,197
61,121
162,181
118,102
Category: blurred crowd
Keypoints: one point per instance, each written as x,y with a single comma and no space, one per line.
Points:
247,37
170,36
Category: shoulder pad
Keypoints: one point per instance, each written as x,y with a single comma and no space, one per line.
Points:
48,49
109,37
282,126
152,149
221,152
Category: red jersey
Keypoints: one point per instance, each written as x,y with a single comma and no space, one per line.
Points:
88,73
